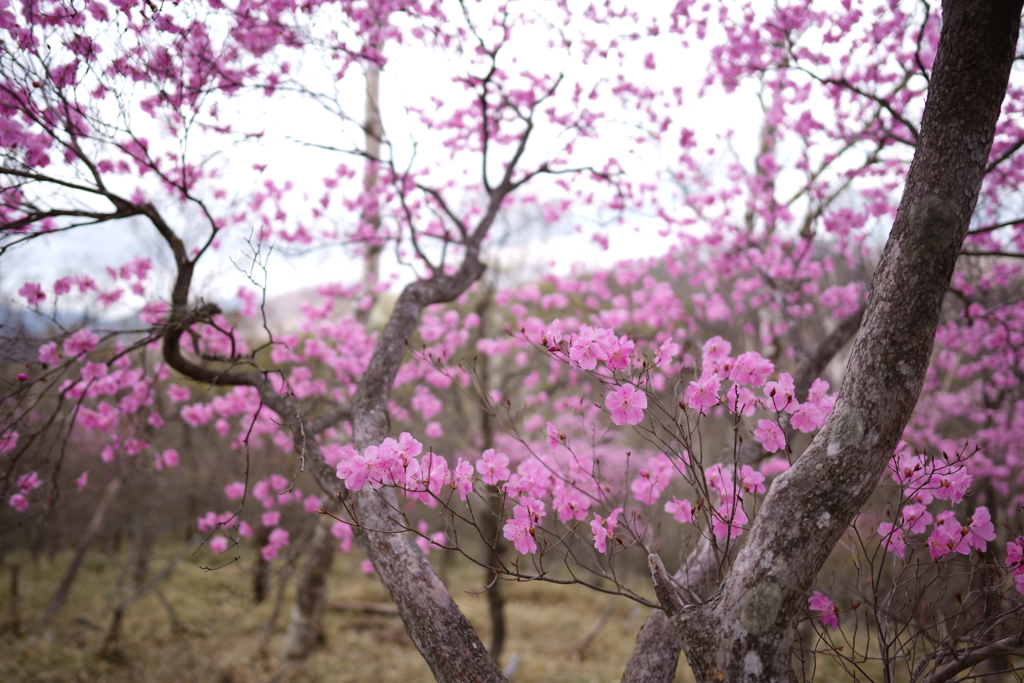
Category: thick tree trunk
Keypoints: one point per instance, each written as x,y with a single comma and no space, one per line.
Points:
305,626
442,634
656,653
746,631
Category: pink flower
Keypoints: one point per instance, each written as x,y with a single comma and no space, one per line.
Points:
781,395
435,469
218,544
462,478
311,504
808,417
751,480
178,394
343,532
554,436
82,480
719,479
85,284
741,400
716,349
18,502
62,286
278,537
626,405
171,458
603,529
770,435
751,368
681,510
980,529
48,354
197,414
207,522
434,430
269,552
952,485
666,352
493,467
619,353
1015,561
905,467
29,482
827,610
234,490
703,393
944,539
585,350
82,341
653,479
270,518
8,440
773,466
569,503
917,518
892,538
729,519
521,533
32,292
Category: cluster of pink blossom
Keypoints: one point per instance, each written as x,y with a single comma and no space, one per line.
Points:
273,493
1015,561
26,483
923,481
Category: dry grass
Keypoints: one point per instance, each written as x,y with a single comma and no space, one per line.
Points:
223,629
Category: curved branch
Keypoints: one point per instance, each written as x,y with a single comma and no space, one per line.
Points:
1011,645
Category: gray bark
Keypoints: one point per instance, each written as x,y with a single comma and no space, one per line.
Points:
746,631
442,634
656,654
305,625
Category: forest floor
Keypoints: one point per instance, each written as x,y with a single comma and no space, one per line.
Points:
219,628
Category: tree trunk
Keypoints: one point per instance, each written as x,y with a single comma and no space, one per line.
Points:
656,653
305,625
91,531
746,631
440,631
261,570
371,214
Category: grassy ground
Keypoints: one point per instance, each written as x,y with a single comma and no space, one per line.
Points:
223,629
